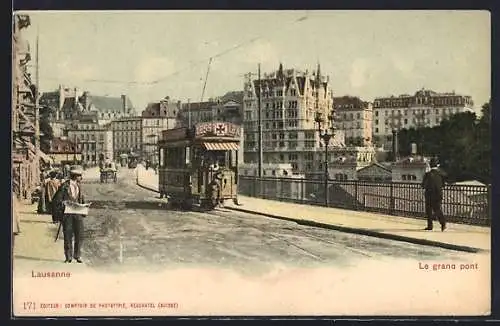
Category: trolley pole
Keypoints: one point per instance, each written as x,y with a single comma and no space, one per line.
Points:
259,114
189,113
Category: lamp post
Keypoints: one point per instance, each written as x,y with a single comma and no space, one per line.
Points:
325,134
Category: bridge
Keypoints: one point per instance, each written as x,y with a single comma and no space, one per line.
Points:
131,231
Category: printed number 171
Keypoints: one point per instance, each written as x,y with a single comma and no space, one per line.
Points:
29,305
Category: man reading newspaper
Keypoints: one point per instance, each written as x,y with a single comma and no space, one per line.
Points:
71,198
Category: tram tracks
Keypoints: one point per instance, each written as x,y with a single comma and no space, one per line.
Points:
230,220
280,236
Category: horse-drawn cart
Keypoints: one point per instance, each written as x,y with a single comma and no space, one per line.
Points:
108,174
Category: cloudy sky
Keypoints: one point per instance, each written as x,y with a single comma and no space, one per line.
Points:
149,55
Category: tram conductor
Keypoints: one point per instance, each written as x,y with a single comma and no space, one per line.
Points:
72,223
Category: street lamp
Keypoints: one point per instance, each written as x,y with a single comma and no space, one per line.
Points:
325,134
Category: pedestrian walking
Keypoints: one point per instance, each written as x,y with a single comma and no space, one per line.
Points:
72,224
42,207
16,228
433,184
51,189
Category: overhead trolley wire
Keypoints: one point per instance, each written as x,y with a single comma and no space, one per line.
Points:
193,63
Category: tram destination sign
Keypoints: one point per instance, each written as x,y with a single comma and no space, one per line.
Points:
218,129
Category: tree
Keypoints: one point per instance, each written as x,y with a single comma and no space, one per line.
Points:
462,143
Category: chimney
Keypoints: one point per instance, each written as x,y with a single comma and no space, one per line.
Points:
76,98
395,145
124,104
61,102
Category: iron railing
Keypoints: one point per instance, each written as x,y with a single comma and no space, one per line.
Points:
468,204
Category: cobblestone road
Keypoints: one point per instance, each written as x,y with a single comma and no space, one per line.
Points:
128,229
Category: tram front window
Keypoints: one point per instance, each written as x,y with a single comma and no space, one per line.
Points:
217,158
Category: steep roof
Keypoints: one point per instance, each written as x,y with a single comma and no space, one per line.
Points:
106,103
345,102
236,96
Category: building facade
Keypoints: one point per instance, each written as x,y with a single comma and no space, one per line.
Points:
156,117
64,151
410,169
127,135
354,116
290,100
68,104
425,108
94,140
226,108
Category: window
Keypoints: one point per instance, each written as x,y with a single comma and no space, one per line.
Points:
406,121
376,122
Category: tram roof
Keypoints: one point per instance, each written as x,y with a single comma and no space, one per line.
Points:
224,131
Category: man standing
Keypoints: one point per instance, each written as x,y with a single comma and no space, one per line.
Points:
433,183
72,223
51,188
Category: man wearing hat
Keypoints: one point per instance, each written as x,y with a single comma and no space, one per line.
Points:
72,223
433,184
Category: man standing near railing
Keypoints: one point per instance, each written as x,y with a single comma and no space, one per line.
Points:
433,184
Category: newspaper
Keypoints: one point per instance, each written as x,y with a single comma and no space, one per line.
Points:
71,207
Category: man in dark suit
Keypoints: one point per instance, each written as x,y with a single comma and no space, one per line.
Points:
72,223
433,184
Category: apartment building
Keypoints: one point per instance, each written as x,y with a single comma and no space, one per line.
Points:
127,135
290,100
226,108
425,108
71,103
156,117
354,116
93,139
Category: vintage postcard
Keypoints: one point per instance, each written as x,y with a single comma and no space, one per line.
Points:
251,163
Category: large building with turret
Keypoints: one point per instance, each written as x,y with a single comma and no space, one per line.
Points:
290,101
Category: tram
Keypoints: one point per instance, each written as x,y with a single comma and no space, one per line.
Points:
199,165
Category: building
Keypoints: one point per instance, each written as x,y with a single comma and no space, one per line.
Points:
127,135
354,117
282,181
345,162
375,172
229,108
196,112
63,151
289,103
156,117
410,169
94,139
68,104
26,154
425,108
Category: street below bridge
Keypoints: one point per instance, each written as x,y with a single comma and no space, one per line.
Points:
139,254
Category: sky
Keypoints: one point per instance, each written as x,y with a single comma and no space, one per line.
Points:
152,54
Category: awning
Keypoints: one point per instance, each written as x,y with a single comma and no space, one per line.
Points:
221,146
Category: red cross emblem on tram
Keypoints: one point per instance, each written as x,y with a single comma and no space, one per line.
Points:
220,129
